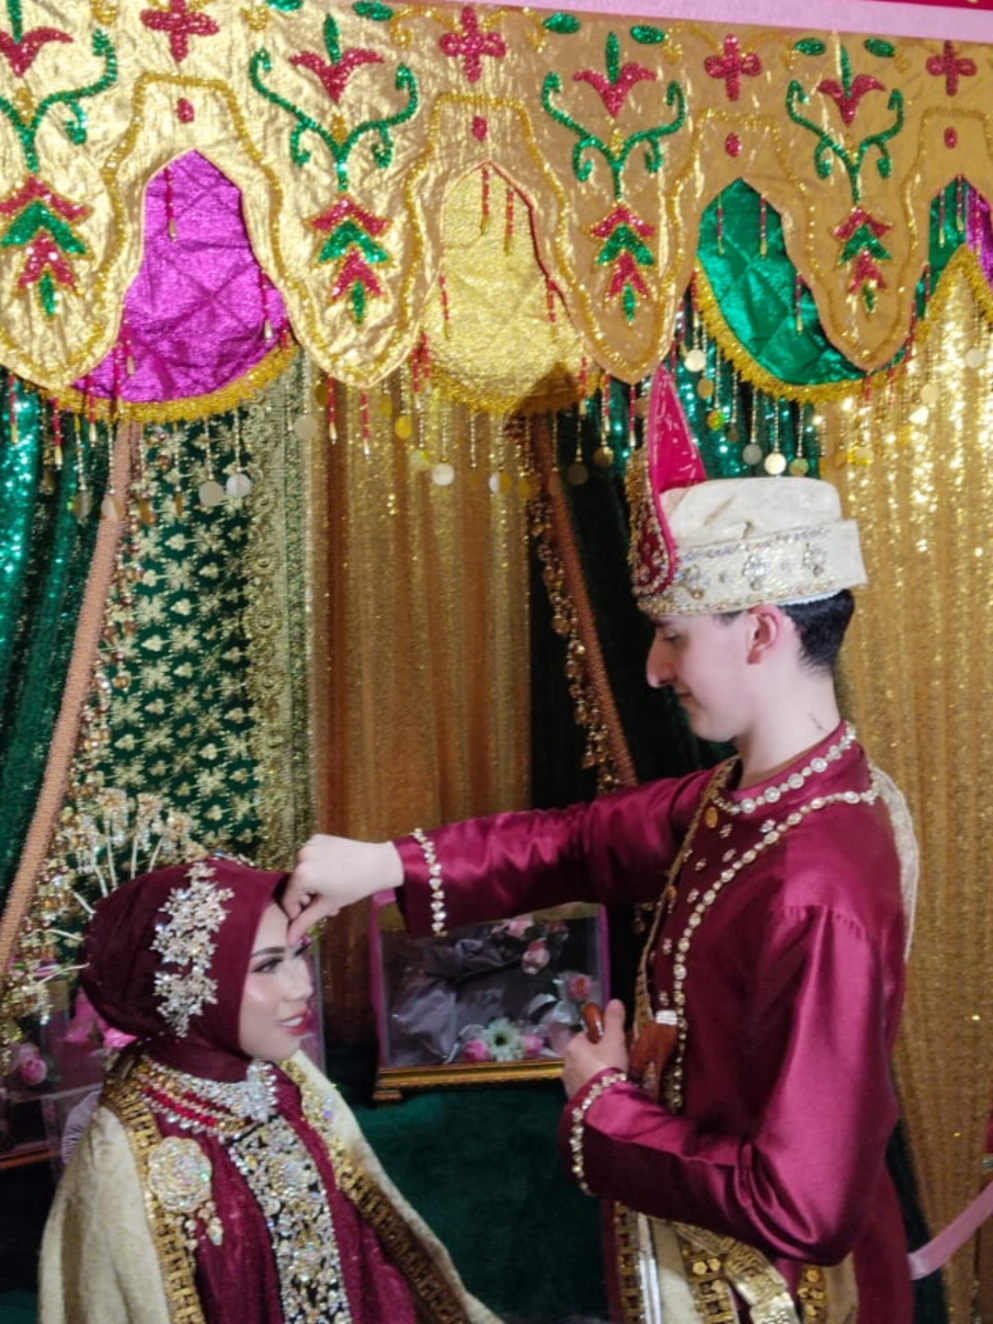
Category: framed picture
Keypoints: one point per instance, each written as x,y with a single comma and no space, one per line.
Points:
484,1003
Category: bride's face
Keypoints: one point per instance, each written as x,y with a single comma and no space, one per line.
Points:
275,1003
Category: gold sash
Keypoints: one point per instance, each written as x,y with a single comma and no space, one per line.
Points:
673,1273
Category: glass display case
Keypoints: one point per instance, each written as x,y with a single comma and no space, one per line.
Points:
484,1003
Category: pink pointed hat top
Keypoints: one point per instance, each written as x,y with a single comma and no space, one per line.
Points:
670,460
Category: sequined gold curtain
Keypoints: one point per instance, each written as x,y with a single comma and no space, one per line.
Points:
424,666
915,468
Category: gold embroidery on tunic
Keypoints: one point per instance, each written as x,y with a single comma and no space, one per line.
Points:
432,1291
286,1183
175,1260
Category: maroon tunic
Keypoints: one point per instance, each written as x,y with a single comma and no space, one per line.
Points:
793,989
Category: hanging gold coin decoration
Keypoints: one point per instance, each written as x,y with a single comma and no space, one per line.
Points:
695,360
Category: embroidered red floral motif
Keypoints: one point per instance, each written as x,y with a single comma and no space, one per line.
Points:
346,210
849,97
472,45
622,215
951,67
181,22
866,272
33,190
626,273
354,271
20,54
351,243
614,93
732,65
624,251
856,221
334,76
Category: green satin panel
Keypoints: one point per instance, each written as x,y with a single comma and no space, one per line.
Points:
744,258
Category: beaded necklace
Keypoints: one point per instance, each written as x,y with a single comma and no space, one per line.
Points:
198,1105
794,782
672,1010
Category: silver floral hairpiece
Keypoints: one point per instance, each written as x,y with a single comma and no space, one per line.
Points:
186,940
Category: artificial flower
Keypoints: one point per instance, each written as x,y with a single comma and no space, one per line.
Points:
503,1039
518,927
532,1044
30,1064
88,1029
536,957
475,1050
579,987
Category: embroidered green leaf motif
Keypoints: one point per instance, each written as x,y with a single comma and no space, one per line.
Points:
284,6
340,148
371,9
884,49
625,238
615,155
36,216
46,288
613,57
810,46
648,36
75,127
347,236
562,23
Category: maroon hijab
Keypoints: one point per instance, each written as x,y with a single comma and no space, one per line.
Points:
166,959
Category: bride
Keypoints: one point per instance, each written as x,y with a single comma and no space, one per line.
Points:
222,1179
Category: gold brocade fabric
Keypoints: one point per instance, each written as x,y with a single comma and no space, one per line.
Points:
349,127
277,614
424,663
916,473
500,337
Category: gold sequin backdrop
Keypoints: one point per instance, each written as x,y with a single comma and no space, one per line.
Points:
423,674
915,467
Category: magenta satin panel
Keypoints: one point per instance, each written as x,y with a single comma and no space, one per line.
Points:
195,317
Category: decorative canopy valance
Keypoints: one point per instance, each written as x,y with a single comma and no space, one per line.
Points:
349,130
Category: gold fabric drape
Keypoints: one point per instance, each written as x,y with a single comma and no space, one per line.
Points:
917,475
425,668
347,127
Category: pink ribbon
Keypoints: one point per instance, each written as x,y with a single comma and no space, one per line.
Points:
942,1247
